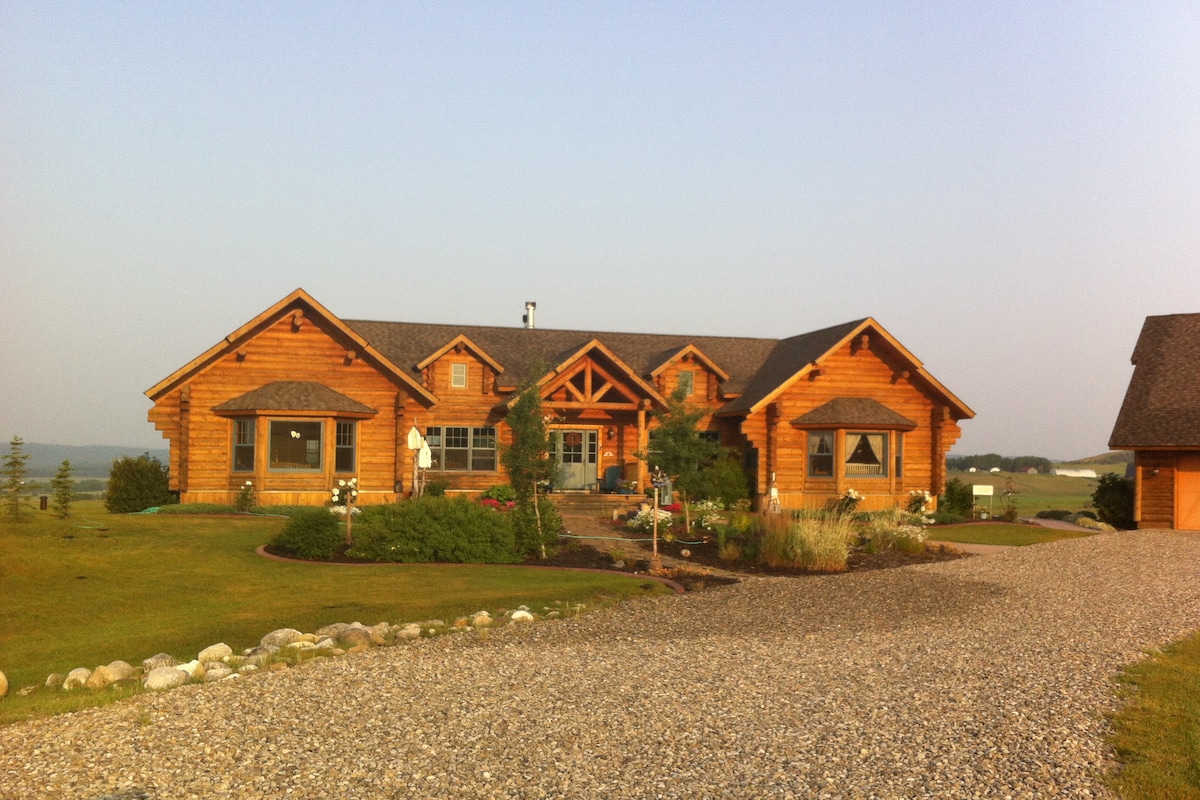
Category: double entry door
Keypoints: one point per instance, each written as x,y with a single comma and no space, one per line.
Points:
576,454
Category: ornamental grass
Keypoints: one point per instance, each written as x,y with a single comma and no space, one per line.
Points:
819,542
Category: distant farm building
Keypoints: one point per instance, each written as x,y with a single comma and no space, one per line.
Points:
1076,473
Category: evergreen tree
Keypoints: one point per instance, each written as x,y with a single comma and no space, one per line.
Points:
14,471
529,463
678,449
63,487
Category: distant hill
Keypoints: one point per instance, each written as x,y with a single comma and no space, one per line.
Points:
1111,457
87,461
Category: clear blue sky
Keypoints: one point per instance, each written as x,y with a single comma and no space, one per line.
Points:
1008,188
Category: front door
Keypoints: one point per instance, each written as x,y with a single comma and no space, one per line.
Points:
576,454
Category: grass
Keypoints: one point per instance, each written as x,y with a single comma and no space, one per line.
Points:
1011,534
1034,493
1157,734
129,586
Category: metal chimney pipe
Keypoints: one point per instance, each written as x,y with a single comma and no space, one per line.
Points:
530,307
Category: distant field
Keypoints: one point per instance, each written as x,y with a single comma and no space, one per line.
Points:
1034,493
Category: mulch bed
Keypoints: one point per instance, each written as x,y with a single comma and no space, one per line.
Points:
704,556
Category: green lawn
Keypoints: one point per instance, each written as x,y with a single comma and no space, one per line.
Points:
135,585
1157,734
1032,493
1012,534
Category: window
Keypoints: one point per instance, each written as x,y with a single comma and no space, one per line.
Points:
687,382
458,376
866,454
243,445
458,448
820,454
295,445
345,445
899,455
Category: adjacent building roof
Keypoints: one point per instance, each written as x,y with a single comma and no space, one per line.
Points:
1162,403
296,396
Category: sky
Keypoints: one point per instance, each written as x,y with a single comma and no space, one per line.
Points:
1008,188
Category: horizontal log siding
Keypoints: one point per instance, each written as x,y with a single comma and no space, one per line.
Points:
845,374
1155,504
275,354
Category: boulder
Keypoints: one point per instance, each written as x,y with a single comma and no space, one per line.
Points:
101,676
122,669
194,669
217,673
215,652
160,660
55,680
3,685
25,691
354,637
521,615
481,619
332,631
281,638
161,678
247,669
77,678
410,631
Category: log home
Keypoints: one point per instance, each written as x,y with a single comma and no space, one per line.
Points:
297,398
1159,421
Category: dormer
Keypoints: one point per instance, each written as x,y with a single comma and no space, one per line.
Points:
460,367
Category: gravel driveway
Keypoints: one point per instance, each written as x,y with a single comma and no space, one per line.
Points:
985,677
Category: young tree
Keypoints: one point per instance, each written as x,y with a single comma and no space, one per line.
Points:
63,487
14,471
529,462
678,449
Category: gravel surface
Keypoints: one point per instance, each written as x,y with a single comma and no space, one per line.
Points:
985,677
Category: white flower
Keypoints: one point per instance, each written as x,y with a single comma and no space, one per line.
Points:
341,483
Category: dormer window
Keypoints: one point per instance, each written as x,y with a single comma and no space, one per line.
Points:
458,376
687,382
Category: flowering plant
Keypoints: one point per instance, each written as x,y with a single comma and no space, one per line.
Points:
644,521
707,515
848,502
344,496
918,501
496,505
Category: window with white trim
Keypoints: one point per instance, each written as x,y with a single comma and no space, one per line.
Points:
345,447
458,376
867,454
461,448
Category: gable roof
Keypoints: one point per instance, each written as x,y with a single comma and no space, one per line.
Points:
844,412
304,396
295,303
1162,403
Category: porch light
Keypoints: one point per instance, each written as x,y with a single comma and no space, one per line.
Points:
611,433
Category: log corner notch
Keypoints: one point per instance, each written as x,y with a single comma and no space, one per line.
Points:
348,359
241,354
901,375
860,343
297,319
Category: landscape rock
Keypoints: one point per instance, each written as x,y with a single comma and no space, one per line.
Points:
77,678
217,673
25,691
161,678
280,638
481,619
410,631
332,631
194,669
123,670
215,652
3,685
101,676
521,615
160,660
55,680
353,637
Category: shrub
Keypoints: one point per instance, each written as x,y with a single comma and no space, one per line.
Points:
502,493
1054,513
942,517
435,529
135,484
1113,500
436,488
312,533
643,521
815,542
244,501
724,481
957,498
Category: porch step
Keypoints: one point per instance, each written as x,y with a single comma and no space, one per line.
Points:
584,504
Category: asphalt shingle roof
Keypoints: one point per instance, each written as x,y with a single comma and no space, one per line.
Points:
1162,404
852,411
295,396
